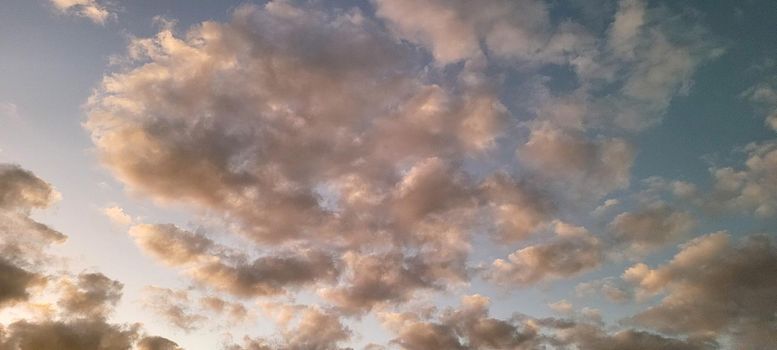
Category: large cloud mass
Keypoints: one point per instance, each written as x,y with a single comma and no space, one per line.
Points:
360,157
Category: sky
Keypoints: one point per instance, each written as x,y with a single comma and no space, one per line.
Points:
388,174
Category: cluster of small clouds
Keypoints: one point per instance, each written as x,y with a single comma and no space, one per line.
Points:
470,327
359,156
368,160
77,316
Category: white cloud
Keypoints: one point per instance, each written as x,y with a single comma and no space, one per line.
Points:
96,11
117,215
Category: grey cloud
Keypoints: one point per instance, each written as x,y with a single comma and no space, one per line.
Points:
453,30
581,167
14,282
714,286
764,96
22,190
92,295
573,251
74,335
517,209
374,279
651,226
227,270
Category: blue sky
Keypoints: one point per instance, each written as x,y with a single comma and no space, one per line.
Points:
396,170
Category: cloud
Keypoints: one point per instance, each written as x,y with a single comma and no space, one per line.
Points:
714,286
23,241
157,343
21,190
14,283
625,29
586,168
75,335
651,226
752,189
174,306
470,327
378,279
561,306
454,30
117,215
573,251
226,270
96,11
764,96
235,312
92,295
76,306
517,209
301,327
611,288
354,123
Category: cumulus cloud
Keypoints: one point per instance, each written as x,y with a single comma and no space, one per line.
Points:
97,11
651,226
453,30
75,335
157,343
23,241
300,328
21,190
751,189
235,312
573,251
76,306
224,269
303,126
117,215
517,209
470,327
714,286
92,295
14,283
587,168
764,96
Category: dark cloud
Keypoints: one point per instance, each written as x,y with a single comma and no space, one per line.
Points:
14,282
224,269
73,335
714,286
157,343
